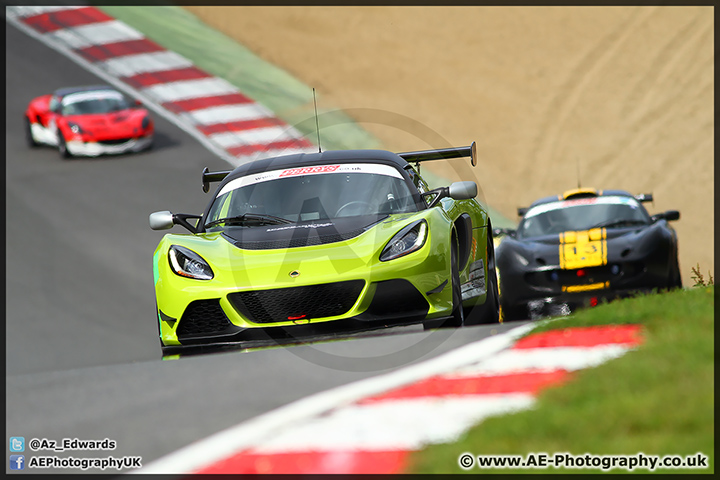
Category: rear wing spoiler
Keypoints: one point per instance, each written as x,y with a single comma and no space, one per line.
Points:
208,177
442,154
417,157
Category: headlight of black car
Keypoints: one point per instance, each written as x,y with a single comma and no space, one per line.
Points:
186,263
407,240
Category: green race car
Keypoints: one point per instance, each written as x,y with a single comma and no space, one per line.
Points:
332,241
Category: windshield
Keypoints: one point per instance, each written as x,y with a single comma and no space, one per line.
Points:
83,103
312,193
582,214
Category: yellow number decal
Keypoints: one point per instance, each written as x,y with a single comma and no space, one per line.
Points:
583,249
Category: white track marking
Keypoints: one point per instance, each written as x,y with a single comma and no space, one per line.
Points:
256,136
405,424
228,113
94,34
522,360
186,89
222,444
129,65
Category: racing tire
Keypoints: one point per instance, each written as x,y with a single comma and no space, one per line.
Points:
458,312
489,312
29,135
62,147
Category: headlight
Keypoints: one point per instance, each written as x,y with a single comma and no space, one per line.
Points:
187,263
145,122
75,128
407,240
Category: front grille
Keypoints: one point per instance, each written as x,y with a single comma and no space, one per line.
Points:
590,275
306,241
202,317
114,142
295,303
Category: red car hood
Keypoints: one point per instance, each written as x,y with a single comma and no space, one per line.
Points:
122,124
108,119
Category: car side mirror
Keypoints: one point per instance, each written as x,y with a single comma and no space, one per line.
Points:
456,191
670,216
138,103
165,220
463,190
161,220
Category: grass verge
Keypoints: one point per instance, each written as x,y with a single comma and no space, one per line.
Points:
658,399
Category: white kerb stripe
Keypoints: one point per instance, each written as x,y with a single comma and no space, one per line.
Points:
522,360
228,113
32,11
129,65
95,34
185,89
255,136
407,424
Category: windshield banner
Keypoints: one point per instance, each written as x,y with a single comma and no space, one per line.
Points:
367,168
547,207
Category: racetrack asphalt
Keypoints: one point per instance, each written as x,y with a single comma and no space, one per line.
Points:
83,359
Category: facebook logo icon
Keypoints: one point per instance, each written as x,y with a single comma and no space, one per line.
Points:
17,444
17,462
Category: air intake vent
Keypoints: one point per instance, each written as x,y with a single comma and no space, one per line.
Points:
297,303
202,317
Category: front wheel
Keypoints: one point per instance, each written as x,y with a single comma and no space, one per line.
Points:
489,312
458,313
62,147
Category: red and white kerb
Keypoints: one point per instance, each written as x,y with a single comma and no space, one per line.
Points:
374,426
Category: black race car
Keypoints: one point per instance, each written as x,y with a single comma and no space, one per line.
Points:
581,248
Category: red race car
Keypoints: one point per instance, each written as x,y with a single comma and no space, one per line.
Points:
88,121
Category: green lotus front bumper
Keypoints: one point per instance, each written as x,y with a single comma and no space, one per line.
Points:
256,289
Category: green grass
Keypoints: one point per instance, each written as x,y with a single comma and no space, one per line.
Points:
658,399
